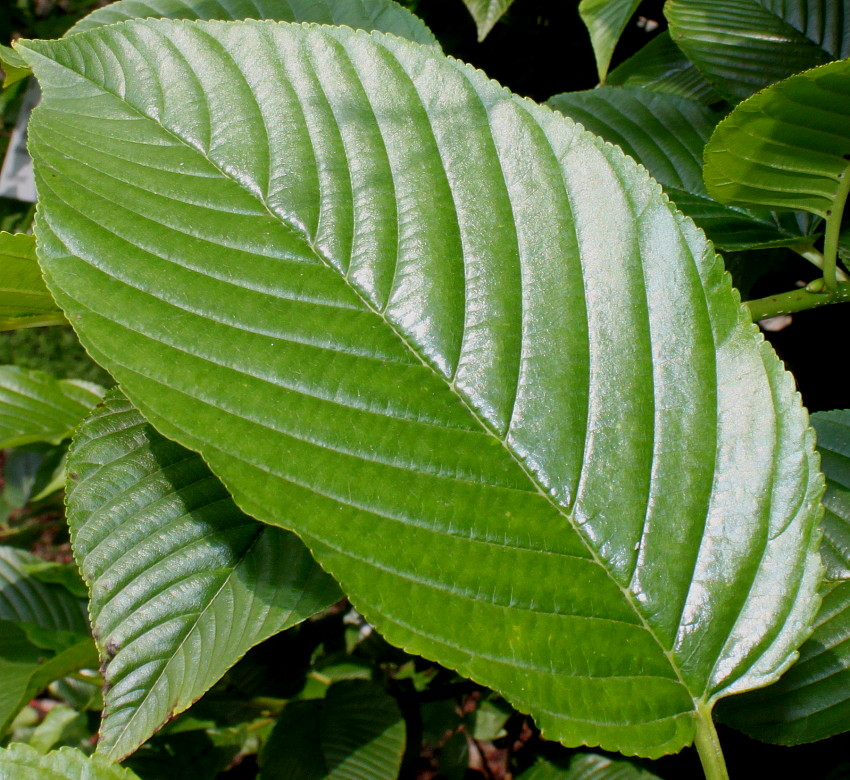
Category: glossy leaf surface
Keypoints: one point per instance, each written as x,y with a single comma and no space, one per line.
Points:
182,583
21,762
605,21
667,134
44,633
35,406
422,322
662,67
743,45
355,733
486,13
24,300
812,700
384,15
788,146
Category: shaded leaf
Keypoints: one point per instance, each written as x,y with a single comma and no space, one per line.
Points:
812,700
763,154
182,583
486,13
667,134
21,762
24,299
43,634
423,323
383,15
35,406
13,66
662,67
587,766
743,45
355,733
605,21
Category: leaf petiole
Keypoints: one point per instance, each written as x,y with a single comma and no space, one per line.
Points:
833,228
810,297
708,745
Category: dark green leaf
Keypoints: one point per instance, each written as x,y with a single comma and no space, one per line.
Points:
743,45
587,766
182,583
355,733
467,350
667,134
662,67
486,13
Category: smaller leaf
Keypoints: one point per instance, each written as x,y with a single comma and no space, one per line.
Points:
22,762
812,699
61,726
786,147
64,574
35,406
13,66
25,301
182,583
587,766
662,67
605,21
741,46
355,733
486,13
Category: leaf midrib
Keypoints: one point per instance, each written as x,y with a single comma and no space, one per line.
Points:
482,422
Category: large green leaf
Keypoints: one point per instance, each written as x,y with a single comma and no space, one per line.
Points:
812,700
21,762
467,350
486,13
587,766
743,45
605,21
182,583
35,406
384,15
44,633
662,67
788,146
668,133
355,733
24,300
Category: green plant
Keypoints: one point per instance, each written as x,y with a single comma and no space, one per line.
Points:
467,354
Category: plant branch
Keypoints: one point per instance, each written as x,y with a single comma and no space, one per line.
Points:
708,745
816,258
809,297
833,228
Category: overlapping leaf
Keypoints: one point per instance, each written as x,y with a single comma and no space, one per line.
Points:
355,733
486,13
465,349
44,633
587,766
182,583
21,762
384,15
743,45
812,700
605,21
662,67
667,134
787,147
35,406
24,300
